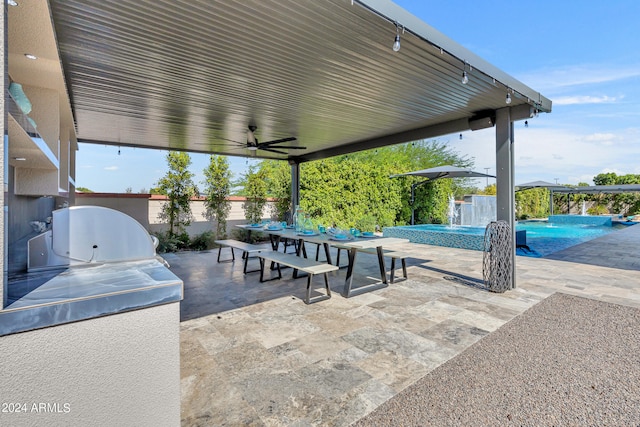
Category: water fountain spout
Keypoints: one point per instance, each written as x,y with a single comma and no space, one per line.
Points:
453,213
584,208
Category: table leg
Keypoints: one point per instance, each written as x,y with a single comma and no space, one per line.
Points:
327,252
275,241
348,291
349,279
301,251
383,270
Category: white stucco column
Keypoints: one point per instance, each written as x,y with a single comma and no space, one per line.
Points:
505,190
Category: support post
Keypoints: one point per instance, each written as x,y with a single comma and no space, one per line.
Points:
505,197
295,186
413,198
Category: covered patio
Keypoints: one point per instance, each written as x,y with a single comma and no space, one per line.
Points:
299,82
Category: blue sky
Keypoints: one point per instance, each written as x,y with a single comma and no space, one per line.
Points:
584,56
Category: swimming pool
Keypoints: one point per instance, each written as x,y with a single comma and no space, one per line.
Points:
542,237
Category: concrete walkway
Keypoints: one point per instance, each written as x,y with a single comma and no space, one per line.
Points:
255,354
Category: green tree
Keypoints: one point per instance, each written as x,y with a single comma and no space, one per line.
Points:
623,203
179,188
357,189
490,190
423,155
278,175
256,194
532,203
83,190
217,188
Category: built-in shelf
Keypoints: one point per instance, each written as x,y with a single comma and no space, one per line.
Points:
33,149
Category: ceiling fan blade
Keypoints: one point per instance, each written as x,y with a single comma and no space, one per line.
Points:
273,151
278,141
290,147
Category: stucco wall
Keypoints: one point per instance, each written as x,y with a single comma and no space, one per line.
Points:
146,210
119,370
200,223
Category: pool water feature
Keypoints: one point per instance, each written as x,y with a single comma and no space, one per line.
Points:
543,237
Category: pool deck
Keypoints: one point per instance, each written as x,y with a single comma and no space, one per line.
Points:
255,354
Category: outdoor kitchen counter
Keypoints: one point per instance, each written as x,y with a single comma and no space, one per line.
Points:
85,292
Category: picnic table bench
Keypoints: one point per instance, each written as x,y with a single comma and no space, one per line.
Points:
306,265
394,255
246,248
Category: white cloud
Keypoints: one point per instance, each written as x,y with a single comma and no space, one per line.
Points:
600,137
567,153
548,79
111,168
581,178
585,99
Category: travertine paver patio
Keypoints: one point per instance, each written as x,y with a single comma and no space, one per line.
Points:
255,354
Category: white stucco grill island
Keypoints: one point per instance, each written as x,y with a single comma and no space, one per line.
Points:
92,262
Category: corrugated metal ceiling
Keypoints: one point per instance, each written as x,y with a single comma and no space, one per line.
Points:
193,75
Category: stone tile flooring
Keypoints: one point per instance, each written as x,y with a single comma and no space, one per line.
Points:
255,354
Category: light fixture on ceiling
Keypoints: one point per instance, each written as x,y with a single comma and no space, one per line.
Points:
508,98
20,159
396,42
465,77
252,148
30,56
12,2
460,136
526,123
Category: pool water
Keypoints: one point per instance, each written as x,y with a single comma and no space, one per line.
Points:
544,238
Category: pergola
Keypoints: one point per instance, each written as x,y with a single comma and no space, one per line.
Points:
598,189
542,184
200,76
587,189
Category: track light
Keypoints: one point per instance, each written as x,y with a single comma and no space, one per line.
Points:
526,123
460,136
396,42
508,99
